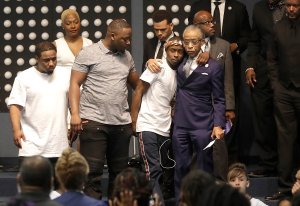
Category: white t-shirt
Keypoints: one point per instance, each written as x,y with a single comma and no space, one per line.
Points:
44,99
155,111
256,202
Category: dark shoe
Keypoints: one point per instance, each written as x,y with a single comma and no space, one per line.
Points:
278,195
262,173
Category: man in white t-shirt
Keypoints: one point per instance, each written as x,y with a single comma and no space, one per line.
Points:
151,111
38,106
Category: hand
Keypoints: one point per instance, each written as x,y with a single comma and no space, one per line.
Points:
156,201
203,58
126,199
18,135
76,124
153,65
296,187
72,137
250,77
217,132
230,115
233,47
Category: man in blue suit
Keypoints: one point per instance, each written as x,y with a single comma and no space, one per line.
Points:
200,107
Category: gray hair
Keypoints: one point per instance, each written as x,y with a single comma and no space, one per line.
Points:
195,29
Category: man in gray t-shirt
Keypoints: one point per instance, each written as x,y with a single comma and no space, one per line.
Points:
100,113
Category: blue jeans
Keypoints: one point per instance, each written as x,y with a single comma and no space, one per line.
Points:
99,141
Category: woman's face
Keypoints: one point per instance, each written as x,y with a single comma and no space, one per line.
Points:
71,25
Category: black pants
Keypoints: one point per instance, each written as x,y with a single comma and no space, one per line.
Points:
287,116
99,141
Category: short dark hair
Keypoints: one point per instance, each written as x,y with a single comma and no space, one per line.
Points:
162,15
117,25
222,195
44,46
36,171
194,184
131,179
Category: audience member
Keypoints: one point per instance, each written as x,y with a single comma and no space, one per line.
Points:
238,178
231,24
133,185
258,81
219,50
34,181
197,119
38,106
283,62
151,112
286,201
193,186
72,171
222,195
104,69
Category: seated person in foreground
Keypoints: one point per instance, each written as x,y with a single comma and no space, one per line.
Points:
71,171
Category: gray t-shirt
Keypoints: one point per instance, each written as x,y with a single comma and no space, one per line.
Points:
104,94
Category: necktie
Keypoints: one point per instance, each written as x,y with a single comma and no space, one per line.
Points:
187,67
217,19
160,50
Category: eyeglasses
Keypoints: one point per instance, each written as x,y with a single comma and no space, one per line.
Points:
206,22
194,42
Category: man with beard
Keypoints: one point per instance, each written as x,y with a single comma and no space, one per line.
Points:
103,120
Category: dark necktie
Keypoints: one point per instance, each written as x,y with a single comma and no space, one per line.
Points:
217,19
160,50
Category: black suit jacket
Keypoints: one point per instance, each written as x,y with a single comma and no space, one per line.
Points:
283,53
149,50
262,31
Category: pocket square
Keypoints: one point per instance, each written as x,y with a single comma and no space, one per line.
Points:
220,56
204,73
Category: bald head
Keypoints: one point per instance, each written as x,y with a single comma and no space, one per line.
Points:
200,16
35,172
204,20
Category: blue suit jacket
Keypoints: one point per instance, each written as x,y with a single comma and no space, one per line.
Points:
72,198
195,108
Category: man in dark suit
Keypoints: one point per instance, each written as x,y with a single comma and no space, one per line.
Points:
265,14
284,66
235,28
198,117
219,50
154,48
